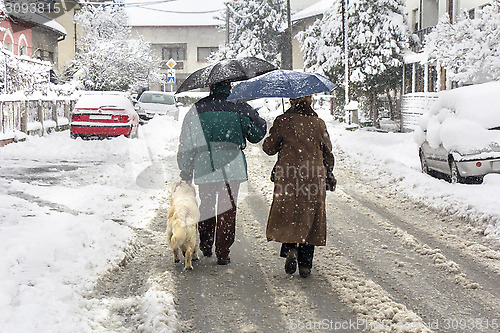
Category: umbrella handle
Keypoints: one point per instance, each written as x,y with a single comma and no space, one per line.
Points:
283,104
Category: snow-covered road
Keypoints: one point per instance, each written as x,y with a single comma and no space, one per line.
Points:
82,222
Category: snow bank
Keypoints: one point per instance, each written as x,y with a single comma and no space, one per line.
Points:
49,261
66,211
391,160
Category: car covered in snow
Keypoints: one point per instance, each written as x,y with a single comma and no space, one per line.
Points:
153,103
459,137
104,114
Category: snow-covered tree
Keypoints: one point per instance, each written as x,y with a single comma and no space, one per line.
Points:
470,48
377,37
254,30
109,58
23,74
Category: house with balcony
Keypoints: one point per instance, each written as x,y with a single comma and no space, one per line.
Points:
422,78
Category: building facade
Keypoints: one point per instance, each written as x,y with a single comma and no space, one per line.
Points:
186,31
420,75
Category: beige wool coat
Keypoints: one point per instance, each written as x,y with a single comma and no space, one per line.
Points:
304,149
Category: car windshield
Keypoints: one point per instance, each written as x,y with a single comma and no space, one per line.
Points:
157,98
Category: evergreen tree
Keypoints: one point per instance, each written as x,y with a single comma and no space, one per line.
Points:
377,37
255,28
109,59
470,48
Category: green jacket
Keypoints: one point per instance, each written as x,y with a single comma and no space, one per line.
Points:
213,137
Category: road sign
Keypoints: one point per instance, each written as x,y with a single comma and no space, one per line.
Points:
171,63
171,76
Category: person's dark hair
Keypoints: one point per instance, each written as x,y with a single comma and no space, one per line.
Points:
221,87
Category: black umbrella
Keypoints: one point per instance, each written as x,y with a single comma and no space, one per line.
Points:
226,70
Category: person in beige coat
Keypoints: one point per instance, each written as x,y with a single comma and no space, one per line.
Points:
302,175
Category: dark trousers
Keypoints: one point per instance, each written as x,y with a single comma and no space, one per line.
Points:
218,217
305,253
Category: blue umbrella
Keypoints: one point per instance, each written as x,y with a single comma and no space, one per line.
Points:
283,84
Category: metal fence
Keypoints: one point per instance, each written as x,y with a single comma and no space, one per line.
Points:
412,108
34,116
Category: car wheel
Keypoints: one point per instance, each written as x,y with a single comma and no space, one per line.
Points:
423,163
454,173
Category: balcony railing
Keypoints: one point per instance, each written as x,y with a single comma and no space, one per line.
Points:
421,36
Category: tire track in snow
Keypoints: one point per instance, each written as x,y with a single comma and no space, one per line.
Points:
412,272
450,267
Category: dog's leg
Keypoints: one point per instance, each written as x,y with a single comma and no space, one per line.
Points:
176,255
196,245
189,252
175,247
195,251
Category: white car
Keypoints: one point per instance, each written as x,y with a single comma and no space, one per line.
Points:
153,103
460,136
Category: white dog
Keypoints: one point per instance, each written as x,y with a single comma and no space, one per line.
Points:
182,222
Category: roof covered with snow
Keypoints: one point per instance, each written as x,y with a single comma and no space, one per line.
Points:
178,13
317,9
41,20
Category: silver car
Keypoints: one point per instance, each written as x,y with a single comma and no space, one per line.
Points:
153,103
460,136
459,168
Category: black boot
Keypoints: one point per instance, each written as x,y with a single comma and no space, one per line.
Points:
304,271
291,261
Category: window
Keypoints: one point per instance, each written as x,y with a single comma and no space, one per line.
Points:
22,50
7,44
204,52
415,19
174,51
157,98
44,55
8,41
472,13
23,45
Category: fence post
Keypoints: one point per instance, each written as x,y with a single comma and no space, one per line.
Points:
54,114
2,122
40,117
67,109
24,117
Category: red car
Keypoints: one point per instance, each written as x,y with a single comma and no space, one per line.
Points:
104,114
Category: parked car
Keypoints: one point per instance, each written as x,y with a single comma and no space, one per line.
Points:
104,114
459,137
153,103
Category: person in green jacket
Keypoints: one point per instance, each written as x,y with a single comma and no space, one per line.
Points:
213,136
